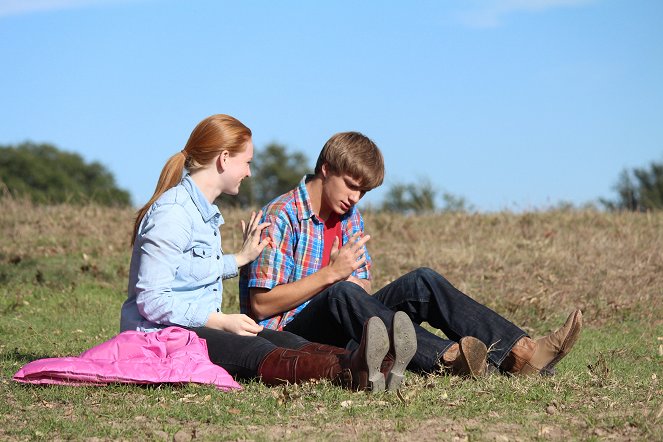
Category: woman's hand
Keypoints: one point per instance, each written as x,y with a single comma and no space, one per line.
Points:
236,323
252,245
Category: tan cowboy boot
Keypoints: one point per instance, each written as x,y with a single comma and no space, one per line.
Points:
530,357
466,358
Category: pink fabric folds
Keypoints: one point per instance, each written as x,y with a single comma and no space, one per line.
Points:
171,355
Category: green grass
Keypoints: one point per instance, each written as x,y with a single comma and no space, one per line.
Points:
618,396
62,285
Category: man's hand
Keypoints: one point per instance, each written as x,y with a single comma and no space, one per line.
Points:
348,258
252,245
236,323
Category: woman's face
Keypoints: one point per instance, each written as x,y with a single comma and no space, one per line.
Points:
236,168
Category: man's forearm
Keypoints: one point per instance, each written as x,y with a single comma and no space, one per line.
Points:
284,297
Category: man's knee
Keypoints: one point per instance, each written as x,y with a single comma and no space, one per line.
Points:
427,274
345,292
345,289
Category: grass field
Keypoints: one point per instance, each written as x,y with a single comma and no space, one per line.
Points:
63,273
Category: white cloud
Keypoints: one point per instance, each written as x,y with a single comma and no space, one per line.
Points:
491,13
19,7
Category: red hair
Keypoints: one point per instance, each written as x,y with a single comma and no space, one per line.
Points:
209,138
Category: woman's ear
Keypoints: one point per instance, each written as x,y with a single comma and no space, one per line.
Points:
222,160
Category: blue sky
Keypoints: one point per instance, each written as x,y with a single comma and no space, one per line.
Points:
512,104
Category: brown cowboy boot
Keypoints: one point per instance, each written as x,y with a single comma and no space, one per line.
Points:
284,365
403,346
466,358
314,347
359,370
529,357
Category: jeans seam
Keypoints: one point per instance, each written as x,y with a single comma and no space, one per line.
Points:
498,362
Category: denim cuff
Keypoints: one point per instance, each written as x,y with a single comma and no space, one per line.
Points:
230,269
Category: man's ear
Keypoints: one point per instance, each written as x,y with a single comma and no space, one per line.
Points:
323,170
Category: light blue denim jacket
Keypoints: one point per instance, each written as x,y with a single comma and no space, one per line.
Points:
177,263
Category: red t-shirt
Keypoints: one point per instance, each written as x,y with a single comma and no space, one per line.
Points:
332,230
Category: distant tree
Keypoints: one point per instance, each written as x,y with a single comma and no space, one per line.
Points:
279,171
46,174
640,189
410,198
421,198
274,171
455,203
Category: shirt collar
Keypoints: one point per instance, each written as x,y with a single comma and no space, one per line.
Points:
303,199
207,210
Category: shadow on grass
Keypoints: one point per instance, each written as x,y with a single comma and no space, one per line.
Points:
21,357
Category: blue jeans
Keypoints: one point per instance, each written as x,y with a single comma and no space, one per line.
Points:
336,316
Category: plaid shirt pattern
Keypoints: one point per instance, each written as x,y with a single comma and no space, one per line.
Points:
296,251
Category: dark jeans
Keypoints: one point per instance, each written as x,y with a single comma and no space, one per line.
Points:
241,355
336,316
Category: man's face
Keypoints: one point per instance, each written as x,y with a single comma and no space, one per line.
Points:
340,192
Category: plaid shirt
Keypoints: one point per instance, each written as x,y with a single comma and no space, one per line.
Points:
296,252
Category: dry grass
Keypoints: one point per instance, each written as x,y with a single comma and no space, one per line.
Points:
533,265
529,266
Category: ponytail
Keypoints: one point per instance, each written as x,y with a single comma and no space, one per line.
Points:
171,175
209,138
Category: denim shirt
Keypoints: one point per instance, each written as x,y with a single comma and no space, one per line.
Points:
177,263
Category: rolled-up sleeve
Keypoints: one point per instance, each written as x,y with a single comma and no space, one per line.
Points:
230,269
275,264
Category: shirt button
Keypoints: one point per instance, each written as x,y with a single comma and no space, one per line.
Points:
218,310
215,233
218,256
216,290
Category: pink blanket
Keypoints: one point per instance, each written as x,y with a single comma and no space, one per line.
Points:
172,355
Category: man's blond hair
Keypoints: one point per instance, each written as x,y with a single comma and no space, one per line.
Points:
353,154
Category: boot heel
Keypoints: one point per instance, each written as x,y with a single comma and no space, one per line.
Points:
404,347
377,346
394,381
376,383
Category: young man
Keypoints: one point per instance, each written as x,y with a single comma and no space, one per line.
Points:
314,279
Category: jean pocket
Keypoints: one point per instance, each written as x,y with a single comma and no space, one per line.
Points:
201,260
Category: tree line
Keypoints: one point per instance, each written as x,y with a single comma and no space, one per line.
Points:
47,175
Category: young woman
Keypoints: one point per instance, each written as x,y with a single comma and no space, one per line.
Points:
178,264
